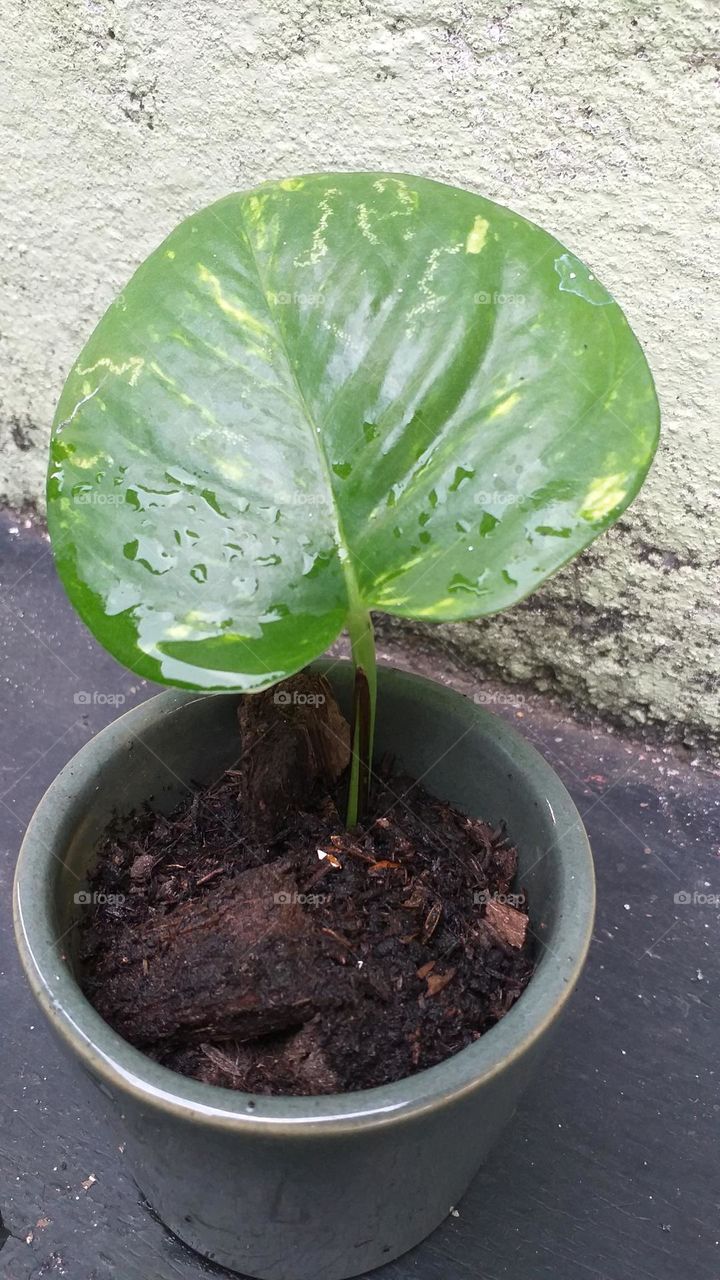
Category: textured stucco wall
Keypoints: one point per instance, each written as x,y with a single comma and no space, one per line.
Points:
594,119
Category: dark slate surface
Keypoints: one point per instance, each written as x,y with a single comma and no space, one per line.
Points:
610,1170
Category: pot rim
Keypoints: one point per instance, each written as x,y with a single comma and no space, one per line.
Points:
118,1064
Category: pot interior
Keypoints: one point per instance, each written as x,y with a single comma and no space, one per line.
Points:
462,753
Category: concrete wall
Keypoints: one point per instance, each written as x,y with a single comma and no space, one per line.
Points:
592,118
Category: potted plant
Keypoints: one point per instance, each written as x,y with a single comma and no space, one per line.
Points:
328,396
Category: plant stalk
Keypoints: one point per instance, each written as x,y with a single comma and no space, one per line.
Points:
362,643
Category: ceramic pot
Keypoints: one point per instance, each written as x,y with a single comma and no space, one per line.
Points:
308,1188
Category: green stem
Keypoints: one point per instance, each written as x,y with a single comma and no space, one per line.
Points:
362,643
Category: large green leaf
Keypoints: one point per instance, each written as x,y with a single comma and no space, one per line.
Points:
345,390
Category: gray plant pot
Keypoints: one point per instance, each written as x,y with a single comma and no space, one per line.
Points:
308,1188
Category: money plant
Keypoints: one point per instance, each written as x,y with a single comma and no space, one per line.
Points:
329,396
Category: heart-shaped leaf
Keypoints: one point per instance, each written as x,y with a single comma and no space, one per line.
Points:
338,392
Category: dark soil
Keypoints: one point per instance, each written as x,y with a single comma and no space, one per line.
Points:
250,941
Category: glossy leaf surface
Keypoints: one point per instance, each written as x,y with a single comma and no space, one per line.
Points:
343,391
